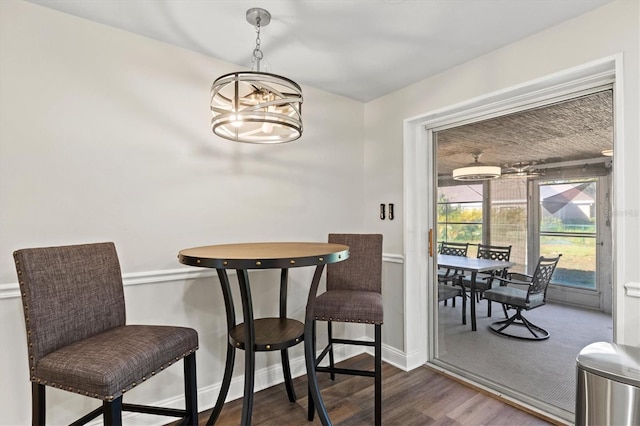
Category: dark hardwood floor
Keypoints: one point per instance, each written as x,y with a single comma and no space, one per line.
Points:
420,397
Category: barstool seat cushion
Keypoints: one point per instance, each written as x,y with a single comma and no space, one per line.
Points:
112,362
349,306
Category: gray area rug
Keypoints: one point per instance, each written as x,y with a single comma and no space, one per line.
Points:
544,370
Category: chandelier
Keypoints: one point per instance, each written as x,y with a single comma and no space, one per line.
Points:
476,171
255,106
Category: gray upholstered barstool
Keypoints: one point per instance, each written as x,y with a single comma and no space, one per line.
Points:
74,311
354,294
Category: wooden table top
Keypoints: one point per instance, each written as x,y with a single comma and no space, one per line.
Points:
264,255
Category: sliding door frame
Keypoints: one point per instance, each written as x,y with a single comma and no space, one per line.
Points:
420,192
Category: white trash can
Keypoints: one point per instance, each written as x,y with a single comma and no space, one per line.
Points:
608,385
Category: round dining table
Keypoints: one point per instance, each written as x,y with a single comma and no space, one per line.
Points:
266,334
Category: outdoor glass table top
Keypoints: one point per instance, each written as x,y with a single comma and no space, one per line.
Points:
472,263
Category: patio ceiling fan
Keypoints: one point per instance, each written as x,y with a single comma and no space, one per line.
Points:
522,169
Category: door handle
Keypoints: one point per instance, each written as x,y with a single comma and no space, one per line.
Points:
430,242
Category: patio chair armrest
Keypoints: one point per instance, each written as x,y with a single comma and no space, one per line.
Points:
510,280
517,276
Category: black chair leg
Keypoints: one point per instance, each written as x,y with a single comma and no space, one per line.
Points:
190,390
453,301
38,407
378,374
464,308
331,360
311,408
112,412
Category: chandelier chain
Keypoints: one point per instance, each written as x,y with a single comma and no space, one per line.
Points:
257,53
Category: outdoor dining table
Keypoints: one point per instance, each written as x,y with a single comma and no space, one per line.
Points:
473,265
266,334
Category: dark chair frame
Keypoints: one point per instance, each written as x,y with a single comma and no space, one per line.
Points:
452,248
484,280
448,275
446,292
518,299
67,273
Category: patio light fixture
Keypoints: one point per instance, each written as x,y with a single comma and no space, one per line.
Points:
476,171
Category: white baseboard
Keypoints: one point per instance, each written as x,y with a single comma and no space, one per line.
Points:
395,357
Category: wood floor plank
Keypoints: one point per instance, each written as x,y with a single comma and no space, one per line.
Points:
419,397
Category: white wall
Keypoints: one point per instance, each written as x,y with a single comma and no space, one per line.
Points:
105,136
609,30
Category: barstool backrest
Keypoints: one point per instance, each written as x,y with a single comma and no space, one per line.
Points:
363,270
69,293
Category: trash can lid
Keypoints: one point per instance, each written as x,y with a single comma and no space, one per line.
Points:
616,362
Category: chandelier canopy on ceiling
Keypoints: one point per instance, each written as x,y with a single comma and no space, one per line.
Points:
254,106
476,171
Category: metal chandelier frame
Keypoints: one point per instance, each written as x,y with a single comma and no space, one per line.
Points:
254,106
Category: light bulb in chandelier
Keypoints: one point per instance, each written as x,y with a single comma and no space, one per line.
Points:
267,126
236,120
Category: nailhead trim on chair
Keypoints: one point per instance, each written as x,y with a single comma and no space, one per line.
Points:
108,398
26,309
347,320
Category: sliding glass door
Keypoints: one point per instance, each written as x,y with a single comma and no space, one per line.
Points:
551,198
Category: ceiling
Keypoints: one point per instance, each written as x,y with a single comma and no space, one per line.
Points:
366,49
576,130
355,48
